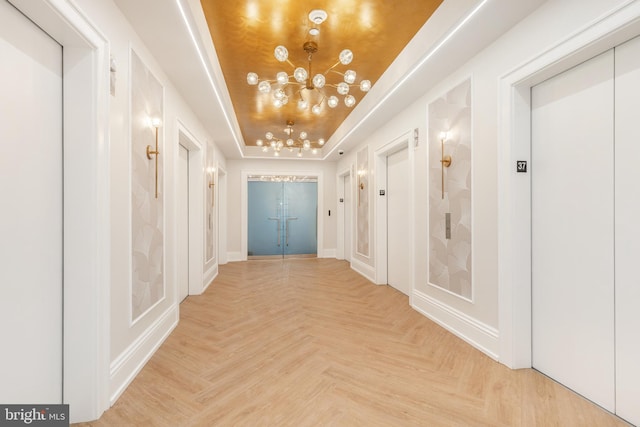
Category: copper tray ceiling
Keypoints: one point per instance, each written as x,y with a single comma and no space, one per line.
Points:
245,34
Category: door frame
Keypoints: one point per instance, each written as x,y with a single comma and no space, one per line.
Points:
514,189
340,211
221,195
87,206
244,202
381,223
196,208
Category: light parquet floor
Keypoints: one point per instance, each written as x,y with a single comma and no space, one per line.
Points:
312,343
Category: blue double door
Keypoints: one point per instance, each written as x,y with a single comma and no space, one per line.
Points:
282,218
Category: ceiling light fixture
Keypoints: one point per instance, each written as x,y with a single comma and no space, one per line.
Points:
306,81
291,142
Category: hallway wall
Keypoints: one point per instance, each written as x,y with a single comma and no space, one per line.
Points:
132,344
477,320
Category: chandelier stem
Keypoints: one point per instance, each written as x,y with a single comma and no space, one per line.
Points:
309,75
332,67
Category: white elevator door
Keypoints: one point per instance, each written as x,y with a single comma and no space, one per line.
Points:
347,218
627,229
31,215
572,229
398,238
183,224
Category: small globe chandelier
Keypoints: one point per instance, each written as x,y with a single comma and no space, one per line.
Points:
291,142
306,81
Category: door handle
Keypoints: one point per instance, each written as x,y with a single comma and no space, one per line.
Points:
274,218
286,228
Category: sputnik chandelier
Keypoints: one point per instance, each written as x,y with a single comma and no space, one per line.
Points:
307,82
291,143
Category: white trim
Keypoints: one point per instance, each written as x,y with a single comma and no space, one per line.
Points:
364,269
209,276
381,227
481,336
244,206
340,244
87,206
339,254
222,215
327,253
514,190
187,140
130,362
235,256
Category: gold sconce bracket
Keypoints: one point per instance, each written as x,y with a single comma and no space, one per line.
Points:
360,185
151,152
445,161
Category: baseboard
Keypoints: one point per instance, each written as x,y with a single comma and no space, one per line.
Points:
328,253
364,269
129,363
483,337
209,275
234,257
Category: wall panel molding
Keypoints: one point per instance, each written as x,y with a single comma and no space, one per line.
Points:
481,336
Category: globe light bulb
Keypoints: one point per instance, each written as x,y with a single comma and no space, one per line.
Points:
350,77
282,77
252,79
281,53
346,56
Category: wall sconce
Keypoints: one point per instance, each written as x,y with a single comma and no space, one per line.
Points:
361,173
155,122
445,161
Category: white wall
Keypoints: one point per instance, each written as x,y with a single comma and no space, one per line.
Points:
329,198
132,345
476,321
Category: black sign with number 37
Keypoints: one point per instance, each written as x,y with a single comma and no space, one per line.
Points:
521,166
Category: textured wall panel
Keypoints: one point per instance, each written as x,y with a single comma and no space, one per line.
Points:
450,258
147,216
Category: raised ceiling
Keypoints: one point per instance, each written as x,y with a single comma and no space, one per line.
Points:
245,34
176,33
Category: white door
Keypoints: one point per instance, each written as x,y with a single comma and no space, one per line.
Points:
183,224
31,276
347,217
572,229
627,230
398,238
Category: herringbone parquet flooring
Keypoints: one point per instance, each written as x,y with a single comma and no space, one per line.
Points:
311,343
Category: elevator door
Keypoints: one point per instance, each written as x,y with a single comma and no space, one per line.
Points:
347,215
282,218
572,229
31,247
585,229
398,248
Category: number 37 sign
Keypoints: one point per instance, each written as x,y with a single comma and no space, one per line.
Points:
521,166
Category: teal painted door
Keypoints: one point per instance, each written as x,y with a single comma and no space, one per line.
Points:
282,218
